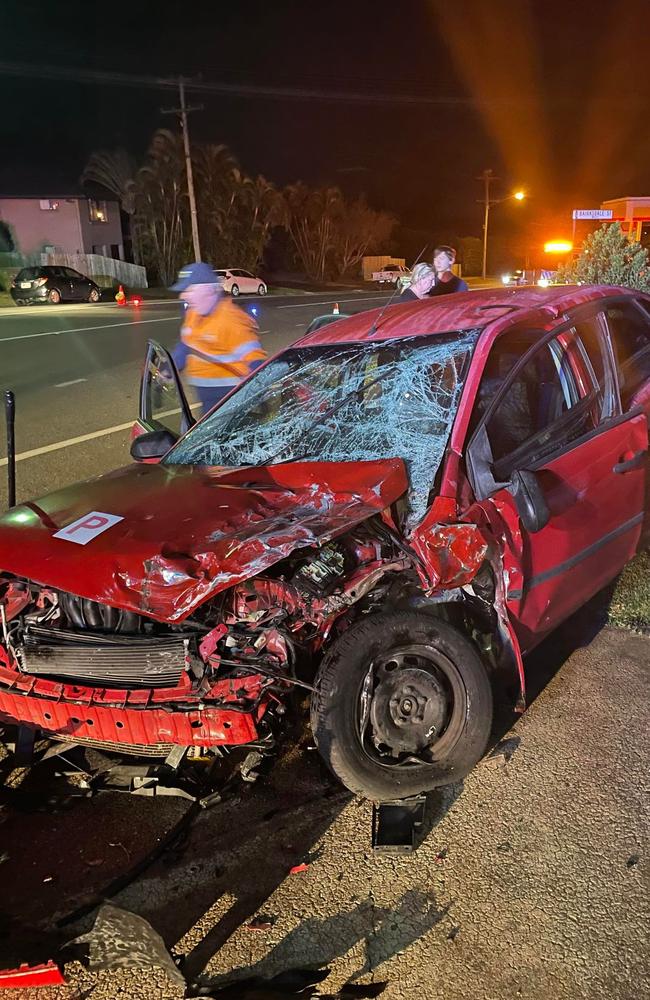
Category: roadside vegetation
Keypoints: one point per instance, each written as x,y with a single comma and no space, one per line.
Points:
630,605
325,233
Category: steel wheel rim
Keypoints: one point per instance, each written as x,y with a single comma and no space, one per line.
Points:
395,717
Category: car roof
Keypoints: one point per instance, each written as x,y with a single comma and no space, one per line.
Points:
460,311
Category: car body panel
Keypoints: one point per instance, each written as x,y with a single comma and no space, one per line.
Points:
593,530
186,533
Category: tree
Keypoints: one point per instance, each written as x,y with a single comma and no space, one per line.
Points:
114,171
609,258
360,230
161,216
329,234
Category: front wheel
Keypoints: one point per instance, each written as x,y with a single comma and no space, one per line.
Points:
261,290
94,295
234,291
54,296
403,704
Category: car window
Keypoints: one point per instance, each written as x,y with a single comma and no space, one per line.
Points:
71,273
221,274
236,273
630,331
28,274
545,404
592,364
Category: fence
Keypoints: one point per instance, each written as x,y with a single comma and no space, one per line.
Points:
107,271
95,265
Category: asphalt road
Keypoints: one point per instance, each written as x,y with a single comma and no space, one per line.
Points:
75,370
532,883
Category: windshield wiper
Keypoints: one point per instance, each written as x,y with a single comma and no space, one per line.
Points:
275,459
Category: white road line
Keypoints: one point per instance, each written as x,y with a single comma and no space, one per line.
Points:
309,305
58,445
86,329
64,385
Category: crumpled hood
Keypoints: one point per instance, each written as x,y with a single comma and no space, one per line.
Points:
159,540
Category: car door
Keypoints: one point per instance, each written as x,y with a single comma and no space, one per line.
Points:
628,322
73,284
556,468
81,285
250,282
60,280
163,404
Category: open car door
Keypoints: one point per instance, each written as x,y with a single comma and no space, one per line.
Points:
163,404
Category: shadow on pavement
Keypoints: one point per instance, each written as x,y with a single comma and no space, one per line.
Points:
318,943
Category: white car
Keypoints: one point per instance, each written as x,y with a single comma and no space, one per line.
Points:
240,282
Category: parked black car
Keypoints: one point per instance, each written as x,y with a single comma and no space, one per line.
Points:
53,284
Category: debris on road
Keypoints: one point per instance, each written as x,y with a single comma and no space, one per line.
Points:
120,939
31,976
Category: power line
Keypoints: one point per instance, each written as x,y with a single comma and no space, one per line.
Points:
73,75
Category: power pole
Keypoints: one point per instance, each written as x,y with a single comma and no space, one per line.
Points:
183,112
487,177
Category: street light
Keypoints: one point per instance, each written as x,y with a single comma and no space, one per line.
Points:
487,177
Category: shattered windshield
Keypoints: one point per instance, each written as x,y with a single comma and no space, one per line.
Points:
342,403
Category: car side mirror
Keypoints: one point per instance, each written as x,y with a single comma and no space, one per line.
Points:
528,496
153,444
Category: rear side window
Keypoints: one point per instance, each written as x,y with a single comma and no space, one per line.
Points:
630,331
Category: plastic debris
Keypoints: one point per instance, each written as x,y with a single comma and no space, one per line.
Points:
297,869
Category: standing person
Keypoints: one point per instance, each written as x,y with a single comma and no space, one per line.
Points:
219,345
422,279
446,281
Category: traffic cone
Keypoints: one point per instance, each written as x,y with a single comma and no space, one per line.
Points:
336,310
120,297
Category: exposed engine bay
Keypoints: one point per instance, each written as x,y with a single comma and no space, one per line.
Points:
243,651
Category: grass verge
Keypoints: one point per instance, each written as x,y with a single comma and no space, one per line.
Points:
630,604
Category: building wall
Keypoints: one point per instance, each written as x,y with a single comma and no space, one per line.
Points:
34,228
68,228
633,213
102,237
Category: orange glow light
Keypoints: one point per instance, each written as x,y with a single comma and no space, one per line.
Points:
520,195
558,246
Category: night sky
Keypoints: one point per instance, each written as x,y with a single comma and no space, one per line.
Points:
553,96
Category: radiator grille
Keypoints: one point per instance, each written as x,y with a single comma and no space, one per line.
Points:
109,660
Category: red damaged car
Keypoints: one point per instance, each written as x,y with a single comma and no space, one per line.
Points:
390,513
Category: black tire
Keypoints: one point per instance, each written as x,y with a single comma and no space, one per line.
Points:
261,290
458,696
94,295
54,296
234,291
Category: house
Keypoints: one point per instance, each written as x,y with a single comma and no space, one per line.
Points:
70,224
633,213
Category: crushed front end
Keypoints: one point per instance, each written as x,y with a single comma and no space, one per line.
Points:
88,672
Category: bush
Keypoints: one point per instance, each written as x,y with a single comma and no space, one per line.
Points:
609,258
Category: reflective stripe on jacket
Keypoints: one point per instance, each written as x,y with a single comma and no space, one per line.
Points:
221,346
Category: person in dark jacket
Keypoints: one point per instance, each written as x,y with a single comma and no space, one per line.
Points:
422,278
446,281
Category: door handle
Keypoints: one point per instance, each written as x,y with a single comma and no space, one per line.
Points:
632,463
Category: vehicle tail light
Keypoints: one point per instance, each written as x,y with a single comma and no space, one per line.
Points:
39,281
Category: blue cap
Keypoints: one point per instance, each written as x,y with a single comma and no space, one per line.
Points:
195,274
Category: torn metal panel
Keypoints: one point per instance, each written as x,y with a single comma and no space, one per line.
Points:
188,533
